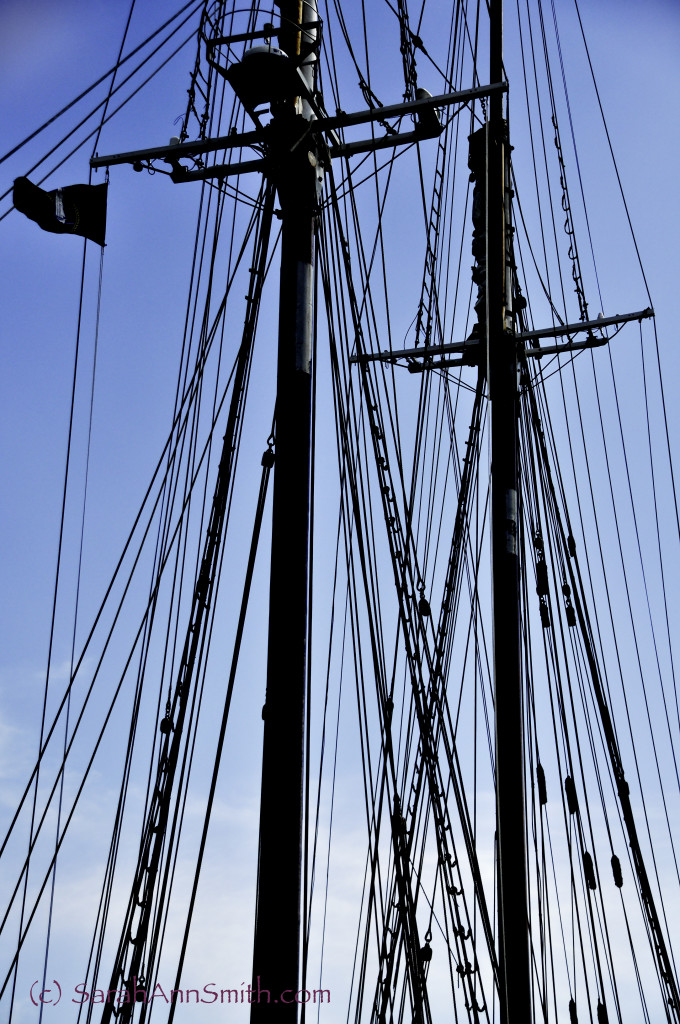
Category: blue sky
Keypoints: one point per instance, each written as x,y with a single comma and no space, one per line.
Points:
48,53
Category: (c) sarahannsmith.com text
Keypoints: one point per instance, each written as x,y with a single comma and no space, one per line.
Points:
206,994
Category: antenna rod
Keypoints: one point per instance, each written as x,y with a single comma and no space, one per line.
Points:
297,174
513,902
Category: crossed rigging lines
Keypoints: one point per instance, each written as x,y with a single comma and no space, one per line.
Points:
424,668
409,781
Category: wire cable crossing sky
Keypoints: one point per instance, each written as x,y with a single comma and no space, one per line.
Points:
340,522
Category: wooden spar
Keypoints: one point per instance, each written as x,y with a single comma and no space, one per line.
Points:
276,951
513,902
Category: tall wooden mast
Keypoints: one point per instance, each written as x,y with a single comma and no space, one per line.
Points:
513,901
276,954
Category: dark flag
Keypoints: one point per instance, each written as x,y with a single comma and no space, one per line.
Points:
74,210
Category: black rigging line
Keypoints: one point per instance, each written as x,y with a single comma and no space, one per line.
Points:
112,703
416,979
73,636
56,585
643,571
658,529
179,424
80,559
150,605
566,204
323,748
370,403
173,459
230,686
660,949
386,489
36,779
104,102
639,258
128,964
112,71
162,898
547,612
576,156
584,442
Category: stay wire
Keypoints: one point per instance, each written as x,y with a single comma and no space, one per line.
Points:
650,448
75,614
320,774
372,862
203,340
107,74
566,206
97,130
82,655
152,600
528,447
165,892
639,258
57,571
200,627
363,701
592,844
548,183
34,781
223,726
81,541
118,820
643,571
96,746
178,422
634,631
640,871
309,865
